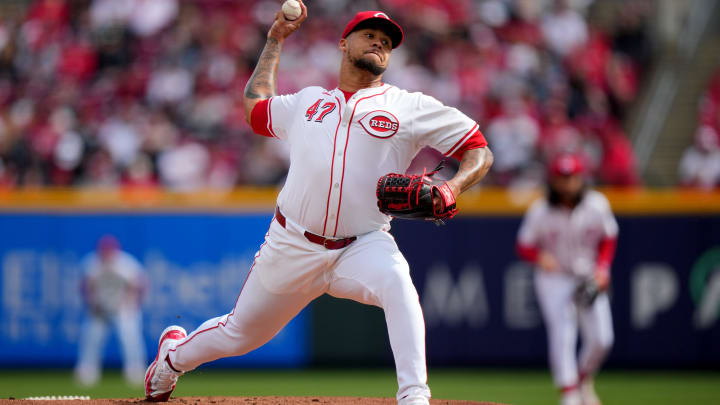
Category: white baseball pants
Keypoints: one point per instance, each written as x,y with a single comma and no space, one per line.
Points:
555,295
128,324
289,272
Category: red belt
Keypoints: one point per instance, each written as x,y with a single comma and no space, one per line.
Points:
320,240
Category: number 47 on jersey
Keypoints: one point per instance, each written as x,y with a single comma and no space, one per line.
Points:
326,108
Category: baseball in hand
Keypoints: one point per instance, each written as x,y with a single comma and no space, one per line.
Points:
291,9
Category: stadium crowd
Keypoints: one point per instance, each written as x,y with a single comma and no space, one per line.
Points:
148,93
700,163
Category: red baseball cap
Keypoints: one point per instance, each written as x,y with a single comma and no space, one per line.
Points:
108,243
393,29
566,165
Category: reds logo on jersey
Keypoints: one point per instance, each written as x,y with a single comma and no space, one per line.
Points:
380,124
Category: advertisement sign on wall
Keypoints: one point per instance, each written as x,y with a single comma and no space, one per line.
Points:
480,307
195,265
478,298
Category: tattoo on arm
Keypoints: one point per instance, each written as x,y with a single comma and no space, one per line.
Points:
473,167
263,82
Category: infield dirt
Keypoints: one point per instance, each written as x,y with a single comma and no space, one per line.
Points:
250,401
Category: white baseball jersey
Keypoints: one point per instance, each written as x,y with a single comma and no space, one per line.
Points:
339,150
113,285
572,236
113,289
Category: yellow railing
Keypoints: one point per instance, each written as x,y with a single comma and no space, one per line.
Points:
489,201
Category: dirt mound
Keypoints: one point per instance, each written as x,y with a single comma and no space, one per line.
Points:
250,401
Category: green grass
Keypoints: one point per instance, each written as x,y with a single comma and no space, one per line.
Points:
517,387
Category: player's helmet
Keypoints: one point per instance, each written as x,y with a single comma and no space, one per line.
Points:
108,243
559,170
566,164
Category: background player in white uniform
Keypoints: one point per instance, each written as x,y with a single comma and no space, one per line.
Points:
571,235
328,235
113,285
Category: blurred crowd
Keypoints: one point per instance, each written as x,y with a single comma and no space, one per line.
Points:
148,93
700,163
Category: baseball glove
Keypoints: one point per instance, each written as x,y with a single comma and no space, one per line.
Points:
586,293
411,197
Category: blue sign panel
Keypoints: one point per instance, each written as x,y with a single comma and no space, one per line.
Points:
480,307
195,264
478,298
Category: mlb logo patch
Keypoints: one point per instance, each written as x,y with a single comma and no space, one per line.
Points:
380,124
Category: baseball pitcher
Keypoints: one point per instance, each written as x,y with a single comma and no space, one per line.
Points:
349,148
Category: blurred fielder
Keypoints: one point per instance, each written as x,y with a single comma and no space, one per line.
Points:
570,235
112,286
329,234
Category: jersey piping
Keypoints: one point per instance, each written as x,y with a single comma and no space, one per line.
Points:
462,140
347,141
332,167
269,109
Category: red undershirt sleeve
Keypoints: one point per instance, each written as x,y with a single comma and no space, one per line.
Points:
477,140
605,254
259,118
527,252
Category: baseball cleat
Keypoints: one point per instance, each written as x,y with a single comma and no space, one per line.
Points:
572,397
587,390
414,400
160,377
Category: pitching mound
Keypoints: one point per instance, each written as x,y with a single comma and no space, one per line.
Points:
250,401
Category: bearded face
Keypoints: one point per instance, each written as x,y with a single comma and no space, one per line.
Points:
368,49
368,64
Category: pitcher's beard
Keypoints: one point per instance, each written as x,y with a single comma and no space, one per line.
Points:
367,65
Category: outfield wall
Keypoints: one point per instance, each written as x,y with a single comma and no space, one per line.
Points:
480,306
477,297
195,263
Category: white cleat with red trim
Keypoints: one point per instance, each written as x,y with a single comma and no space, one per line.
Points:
571,397
160,377
414,400
587,389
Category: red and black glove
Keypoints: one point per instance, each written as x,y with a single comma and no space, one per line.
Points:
411,197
